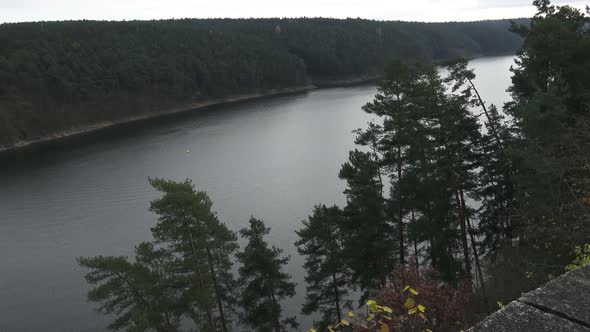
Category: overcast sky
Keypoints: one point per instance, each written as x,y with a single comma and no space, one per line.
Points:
415,10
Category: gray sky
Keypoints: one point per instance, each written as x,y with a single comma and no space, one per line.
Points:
415,10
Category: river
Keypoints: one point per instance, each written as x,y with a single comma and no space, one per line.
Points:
272,158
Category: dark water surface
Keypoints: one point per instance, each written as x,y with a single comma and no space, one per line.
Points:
272,158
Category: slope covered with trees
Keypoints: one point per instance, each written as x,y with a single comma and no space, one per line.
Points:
60,76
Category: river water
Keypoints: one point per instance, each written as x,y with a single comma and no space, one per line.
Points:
272,158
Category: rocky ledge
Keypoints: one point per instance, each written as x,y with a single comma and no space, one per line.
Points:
562,304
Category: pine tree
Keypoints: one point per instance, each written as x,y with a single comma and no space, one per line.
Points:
550,152
189,229
366,230
495,189
393,139
458,134
143,295
426,147
328,277
263,280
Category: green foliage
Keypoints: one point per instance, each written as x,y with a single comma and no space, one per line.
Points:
57,76
582,258
550,155
143,295
328,276
426,148
186,273
495,188
263,280
188,228
366,231
410,183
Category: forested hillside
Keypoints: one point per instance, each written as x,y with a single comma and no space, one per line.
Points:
58,76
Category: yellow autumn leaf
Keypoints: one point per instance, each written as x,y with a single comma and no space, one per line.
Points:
384,328
410,303
406,288
345,322
413,291
370,318
412,311
387,317
350,314
422,316
387,309
311,330
372,304
421,308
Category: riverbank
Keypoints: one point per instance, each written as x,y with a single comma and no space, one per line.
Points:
155,114
344,82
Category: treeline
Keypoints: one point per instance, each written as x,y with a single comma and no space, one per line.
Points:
56,76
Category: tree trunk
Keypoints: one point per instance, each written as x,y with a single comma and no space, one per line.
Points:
462,224
402,258
463,236
168,324
455,184
217,290
431,221
473,244
275,315
374,147
487,114
498,141
199,280
336,296
415,245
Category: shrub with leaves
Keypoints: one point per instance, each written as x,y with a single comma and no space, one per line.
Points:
414,300
421,302
376,318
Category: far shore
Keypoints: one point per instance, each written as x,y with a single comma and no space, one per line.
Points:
151,115
317,83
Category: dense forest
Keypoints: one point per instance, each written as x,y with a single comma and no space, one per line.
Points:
453,207
60,76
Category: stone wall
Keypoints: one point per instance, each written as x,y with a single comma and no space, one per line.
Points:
562,304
